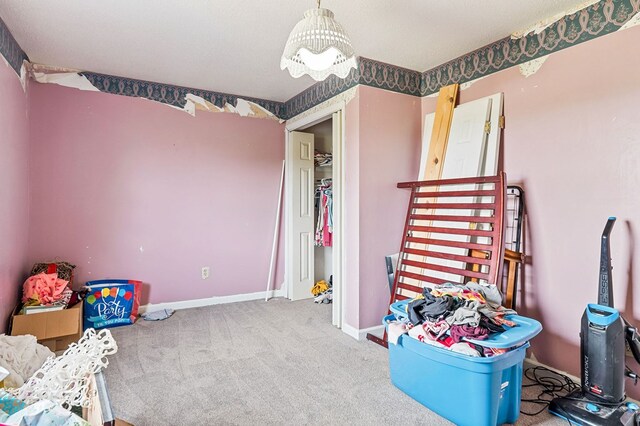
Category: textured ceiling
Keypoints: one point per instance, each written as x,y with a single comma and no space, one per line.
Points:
235,46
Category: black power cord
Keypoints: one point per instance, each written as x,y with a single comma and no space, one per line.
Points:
552,385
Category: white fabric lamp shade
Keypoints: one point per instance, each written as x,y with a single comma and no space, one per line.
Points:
318,46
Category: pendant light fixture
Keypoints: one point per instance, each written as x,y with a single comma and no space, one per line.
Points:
318,46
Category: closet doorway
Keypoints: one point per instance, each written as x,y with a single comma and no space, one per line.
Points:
314,178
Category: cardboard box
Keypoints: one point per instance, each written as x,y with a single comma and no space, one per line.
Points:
56,329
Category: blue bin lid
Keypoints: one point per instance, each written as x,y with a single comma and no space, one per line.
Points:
525,329
399,309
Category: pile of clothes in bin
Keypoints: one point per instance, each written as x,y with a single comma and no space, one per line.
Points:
447,315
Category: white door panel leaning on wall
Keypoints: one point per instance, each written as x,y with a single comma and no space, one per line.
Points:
472,150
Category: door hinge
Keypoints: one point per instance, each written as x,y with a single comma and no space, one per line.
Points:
487,127
501,121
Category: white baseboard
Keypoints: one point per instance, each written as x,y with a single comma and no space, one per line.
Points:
378,331
362,334
350,331
218,300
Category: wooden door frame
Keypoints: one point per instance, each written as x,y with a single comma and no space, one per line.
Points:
339,300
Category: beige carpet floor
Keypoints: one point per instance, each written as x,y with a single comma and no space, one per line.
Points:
258,363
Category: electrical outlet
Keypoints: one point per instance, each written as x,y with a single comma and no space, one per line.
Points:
205,272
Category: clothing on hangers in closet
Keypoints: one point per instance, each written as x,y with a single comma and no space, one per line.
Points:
324,204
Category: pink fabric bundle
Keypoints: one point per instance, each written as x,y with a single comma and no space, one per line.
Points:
43,288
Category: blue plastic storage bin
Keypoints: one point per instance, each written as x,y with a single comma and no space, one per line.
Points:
465,390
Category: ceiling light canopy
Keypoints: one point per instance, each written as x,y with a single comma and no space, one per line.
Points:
318,46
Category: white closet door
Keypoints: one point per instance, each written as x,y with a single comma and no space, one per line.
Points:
467,141
301,275
489,157
490,162
465,155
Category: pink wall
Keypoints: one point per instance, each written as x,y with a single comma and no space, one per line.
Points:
128,188
572,138
389,148
14,180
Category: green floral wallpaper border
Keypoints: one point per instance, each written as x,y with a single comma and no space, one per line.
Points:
594,21
369,72
10,49
591,22
170,94
601,18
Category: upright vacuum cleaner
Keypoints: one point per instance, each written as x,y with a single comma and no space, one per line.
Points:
601,398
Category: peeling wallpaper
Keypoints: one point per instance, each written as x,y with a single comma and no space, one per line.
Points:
172,95
601,18
595,20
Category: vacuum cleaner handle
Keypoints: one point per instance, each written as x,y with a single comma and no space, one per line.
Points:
605,285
